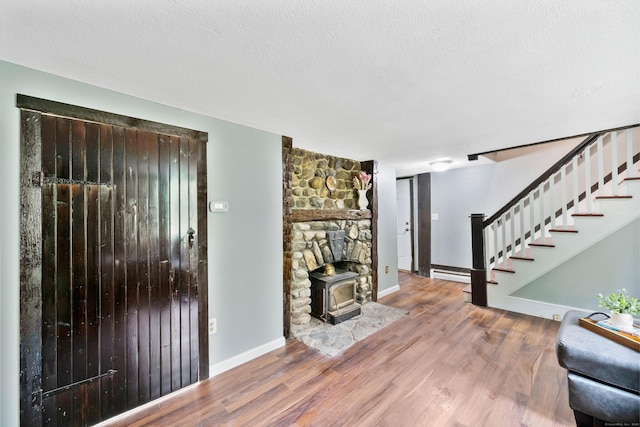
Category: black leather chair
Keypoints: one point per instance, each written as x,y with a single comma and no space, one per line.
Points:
604,376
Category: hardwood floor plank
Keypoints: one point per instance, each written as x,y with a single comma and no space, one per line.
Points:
446,363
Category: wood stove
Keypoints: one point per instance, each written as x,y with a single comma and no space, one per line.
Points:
333,297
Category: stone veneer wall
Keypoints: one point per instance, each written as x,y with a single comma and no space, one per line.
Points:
310,173
309,243
311,251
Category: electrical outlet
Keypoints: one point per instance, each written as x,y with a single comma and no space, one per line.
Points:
213,326
556,317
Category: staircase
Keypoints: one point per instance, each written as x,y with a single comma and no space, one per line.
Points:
588,195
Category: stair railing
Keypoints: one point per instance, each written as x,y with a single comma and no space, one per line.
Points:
593,168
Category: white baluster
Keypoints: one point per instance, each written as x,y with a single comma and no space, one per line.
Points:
532,219
563,194
576,191
495,242
543,234
614,162
504,239
552,204
600,167
587,178
522,233
512,219
630,171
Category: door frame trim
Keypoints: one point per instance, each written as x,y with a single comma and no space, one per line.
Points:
411,220
45,106
424,227
30,271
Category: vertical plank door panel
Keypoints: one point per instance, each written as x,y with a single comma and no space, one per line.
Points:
92,221
185,273
154,271
119,270
63,300
143,268
107,307
93,303
174,223
63,277
78,269
49,256
131,250
164,248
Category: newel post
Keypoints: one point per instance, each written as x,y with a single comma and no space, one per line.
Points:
478,270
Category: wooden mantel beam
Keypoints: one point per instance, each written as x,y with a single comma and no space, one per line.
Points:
304,215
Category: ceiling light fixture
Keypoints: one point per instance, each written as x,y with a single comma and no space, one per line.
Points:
440,165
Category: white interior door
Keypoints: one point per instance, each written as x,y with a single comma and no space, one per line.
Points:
403,199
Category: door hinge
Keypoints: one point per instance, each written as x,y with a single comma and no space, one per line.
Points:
37,179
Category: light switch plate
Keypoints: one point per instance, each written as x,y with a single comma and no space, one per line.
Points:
219,206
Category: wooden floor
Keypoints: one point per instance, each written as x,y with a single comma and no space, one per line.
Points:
446,364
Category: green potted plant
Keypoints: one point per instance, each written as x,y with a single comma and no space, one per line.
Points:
622,306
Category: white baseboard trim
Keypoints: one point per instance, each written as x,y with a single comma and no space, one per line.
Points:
150,404
543,309
388,291
245,357
462,278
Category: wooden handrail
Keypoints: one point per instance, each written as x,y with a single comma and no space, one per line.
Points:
553,169
475,156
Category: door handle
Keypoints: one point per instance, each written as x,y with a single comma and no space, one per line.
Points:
406,229
191,239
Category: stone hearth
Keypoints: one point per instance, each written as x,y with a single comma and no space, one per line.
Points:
331,340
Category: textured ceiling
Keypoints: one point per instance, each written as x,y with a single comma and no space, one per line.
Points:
401,81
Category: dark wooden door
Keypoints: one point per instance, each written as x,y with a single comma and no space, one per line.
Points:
121,278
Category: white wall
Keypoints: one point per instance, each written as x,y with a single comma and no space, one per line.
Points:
387,219
455,195
245,281
610,265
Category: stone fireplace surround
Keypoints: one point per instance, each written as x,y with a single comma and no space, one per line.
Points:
315,210
311,251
